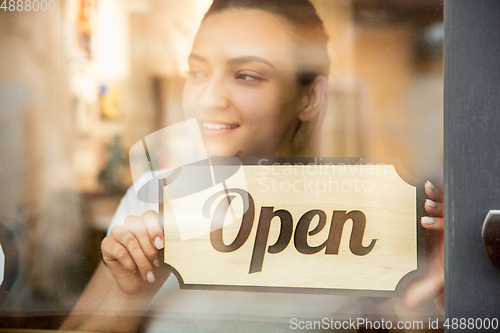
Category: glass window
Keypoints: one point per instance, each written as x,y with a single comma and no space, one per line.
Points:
334,109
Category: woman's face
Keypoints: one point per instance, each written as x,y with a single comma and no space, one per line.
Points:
242,85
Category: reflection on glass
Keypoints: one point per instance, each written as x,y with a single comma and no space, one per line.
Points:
259,86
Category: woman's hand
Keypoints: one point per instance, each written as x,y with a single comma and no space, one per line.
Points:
431,285
131,253
117,295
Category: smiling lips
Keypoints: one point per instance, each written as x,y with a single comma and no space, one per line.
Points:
211,128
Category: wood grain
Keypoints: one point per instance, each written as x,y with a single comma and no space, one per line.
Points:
377,191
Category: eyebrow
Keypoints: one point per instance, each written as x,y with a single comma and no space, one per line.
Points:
236,60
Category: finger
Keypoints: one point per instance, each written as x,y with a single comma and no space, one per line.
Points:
428,287
114,253
433,193
434,208
126,238
151,219
139,229
432,223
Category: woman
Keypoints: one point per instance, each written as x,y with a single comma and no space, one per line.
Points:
252,91
257,86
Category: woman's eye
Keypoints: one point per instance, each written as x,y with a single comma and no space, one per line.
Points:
247,77
195,74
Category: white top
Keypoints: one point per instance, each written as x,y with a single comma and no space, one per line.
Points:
176,310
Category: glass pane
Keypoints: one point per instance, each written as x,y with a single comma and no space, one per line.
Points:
252,138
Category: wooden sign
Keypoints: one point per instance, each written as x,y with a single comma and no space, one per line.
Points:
303,227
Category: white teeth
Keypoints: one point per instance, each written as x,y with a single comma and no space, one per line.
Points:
218,126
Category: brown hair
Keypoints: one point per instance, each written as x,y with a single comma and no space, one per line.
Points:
312,57
311,53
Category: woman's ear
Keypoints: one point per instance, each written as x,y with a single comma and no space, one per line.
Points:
313,99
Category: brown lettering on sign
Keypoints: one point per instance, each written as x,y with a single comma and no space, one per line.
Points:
267,214
302,231
322,227
358,229
218,221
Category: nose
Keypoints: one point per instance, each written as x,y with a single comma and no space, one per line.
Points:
214,95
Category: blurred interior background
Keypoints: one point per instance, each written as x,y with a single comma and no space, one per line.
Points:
81,84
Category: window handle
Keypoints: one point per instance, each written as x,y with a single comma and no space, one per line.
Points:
491,236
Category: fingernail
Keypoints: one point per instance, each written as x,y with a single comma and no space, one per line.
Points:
430,185
150,277
158,243
156,262
427,220
430,203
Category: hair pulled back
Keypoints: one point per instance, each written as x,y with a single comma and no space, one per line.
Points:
311,49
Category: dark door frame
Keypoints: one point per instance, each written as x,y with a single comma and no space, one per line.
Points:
471,155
